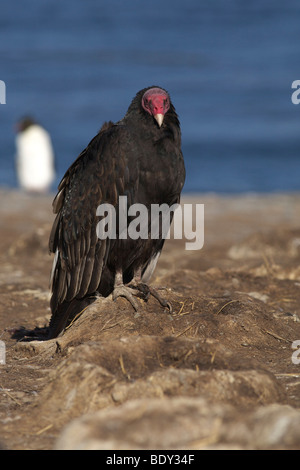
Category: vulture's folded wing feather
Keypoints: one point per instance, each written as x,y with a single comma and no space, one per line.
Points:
79,253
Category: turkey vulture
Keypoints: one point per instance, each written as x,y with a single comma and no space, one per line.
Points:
138,157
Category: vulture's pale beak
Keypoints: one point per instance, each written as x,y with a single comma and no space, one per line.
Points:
159,119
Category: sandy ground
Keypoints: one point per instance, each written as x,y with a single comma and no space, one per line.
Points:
216,373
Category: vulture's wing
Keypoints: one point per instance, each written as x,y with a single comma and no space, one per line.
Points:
99,175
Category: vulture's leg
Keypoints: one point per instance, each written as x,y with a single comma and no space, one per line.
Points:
124,291
136,288
147,290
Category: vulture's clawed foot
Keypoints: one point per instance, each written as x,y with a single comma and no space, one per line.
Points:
145,292
142,291
160,299
126,292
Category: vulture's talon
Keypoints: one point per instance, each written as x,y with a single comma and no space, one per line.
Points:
169,307
127,293
142,290
163,302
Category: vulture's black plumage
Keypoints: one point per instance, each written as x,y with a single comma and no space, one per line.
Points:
139,157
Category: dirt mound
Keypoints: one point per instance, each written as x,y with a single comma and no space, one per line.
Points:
216,373
183,423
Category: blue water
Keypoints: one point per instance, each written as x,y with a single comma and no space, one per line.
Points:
228,66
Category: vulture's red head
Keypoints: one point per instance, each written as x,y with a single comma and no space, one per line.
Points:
156,102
